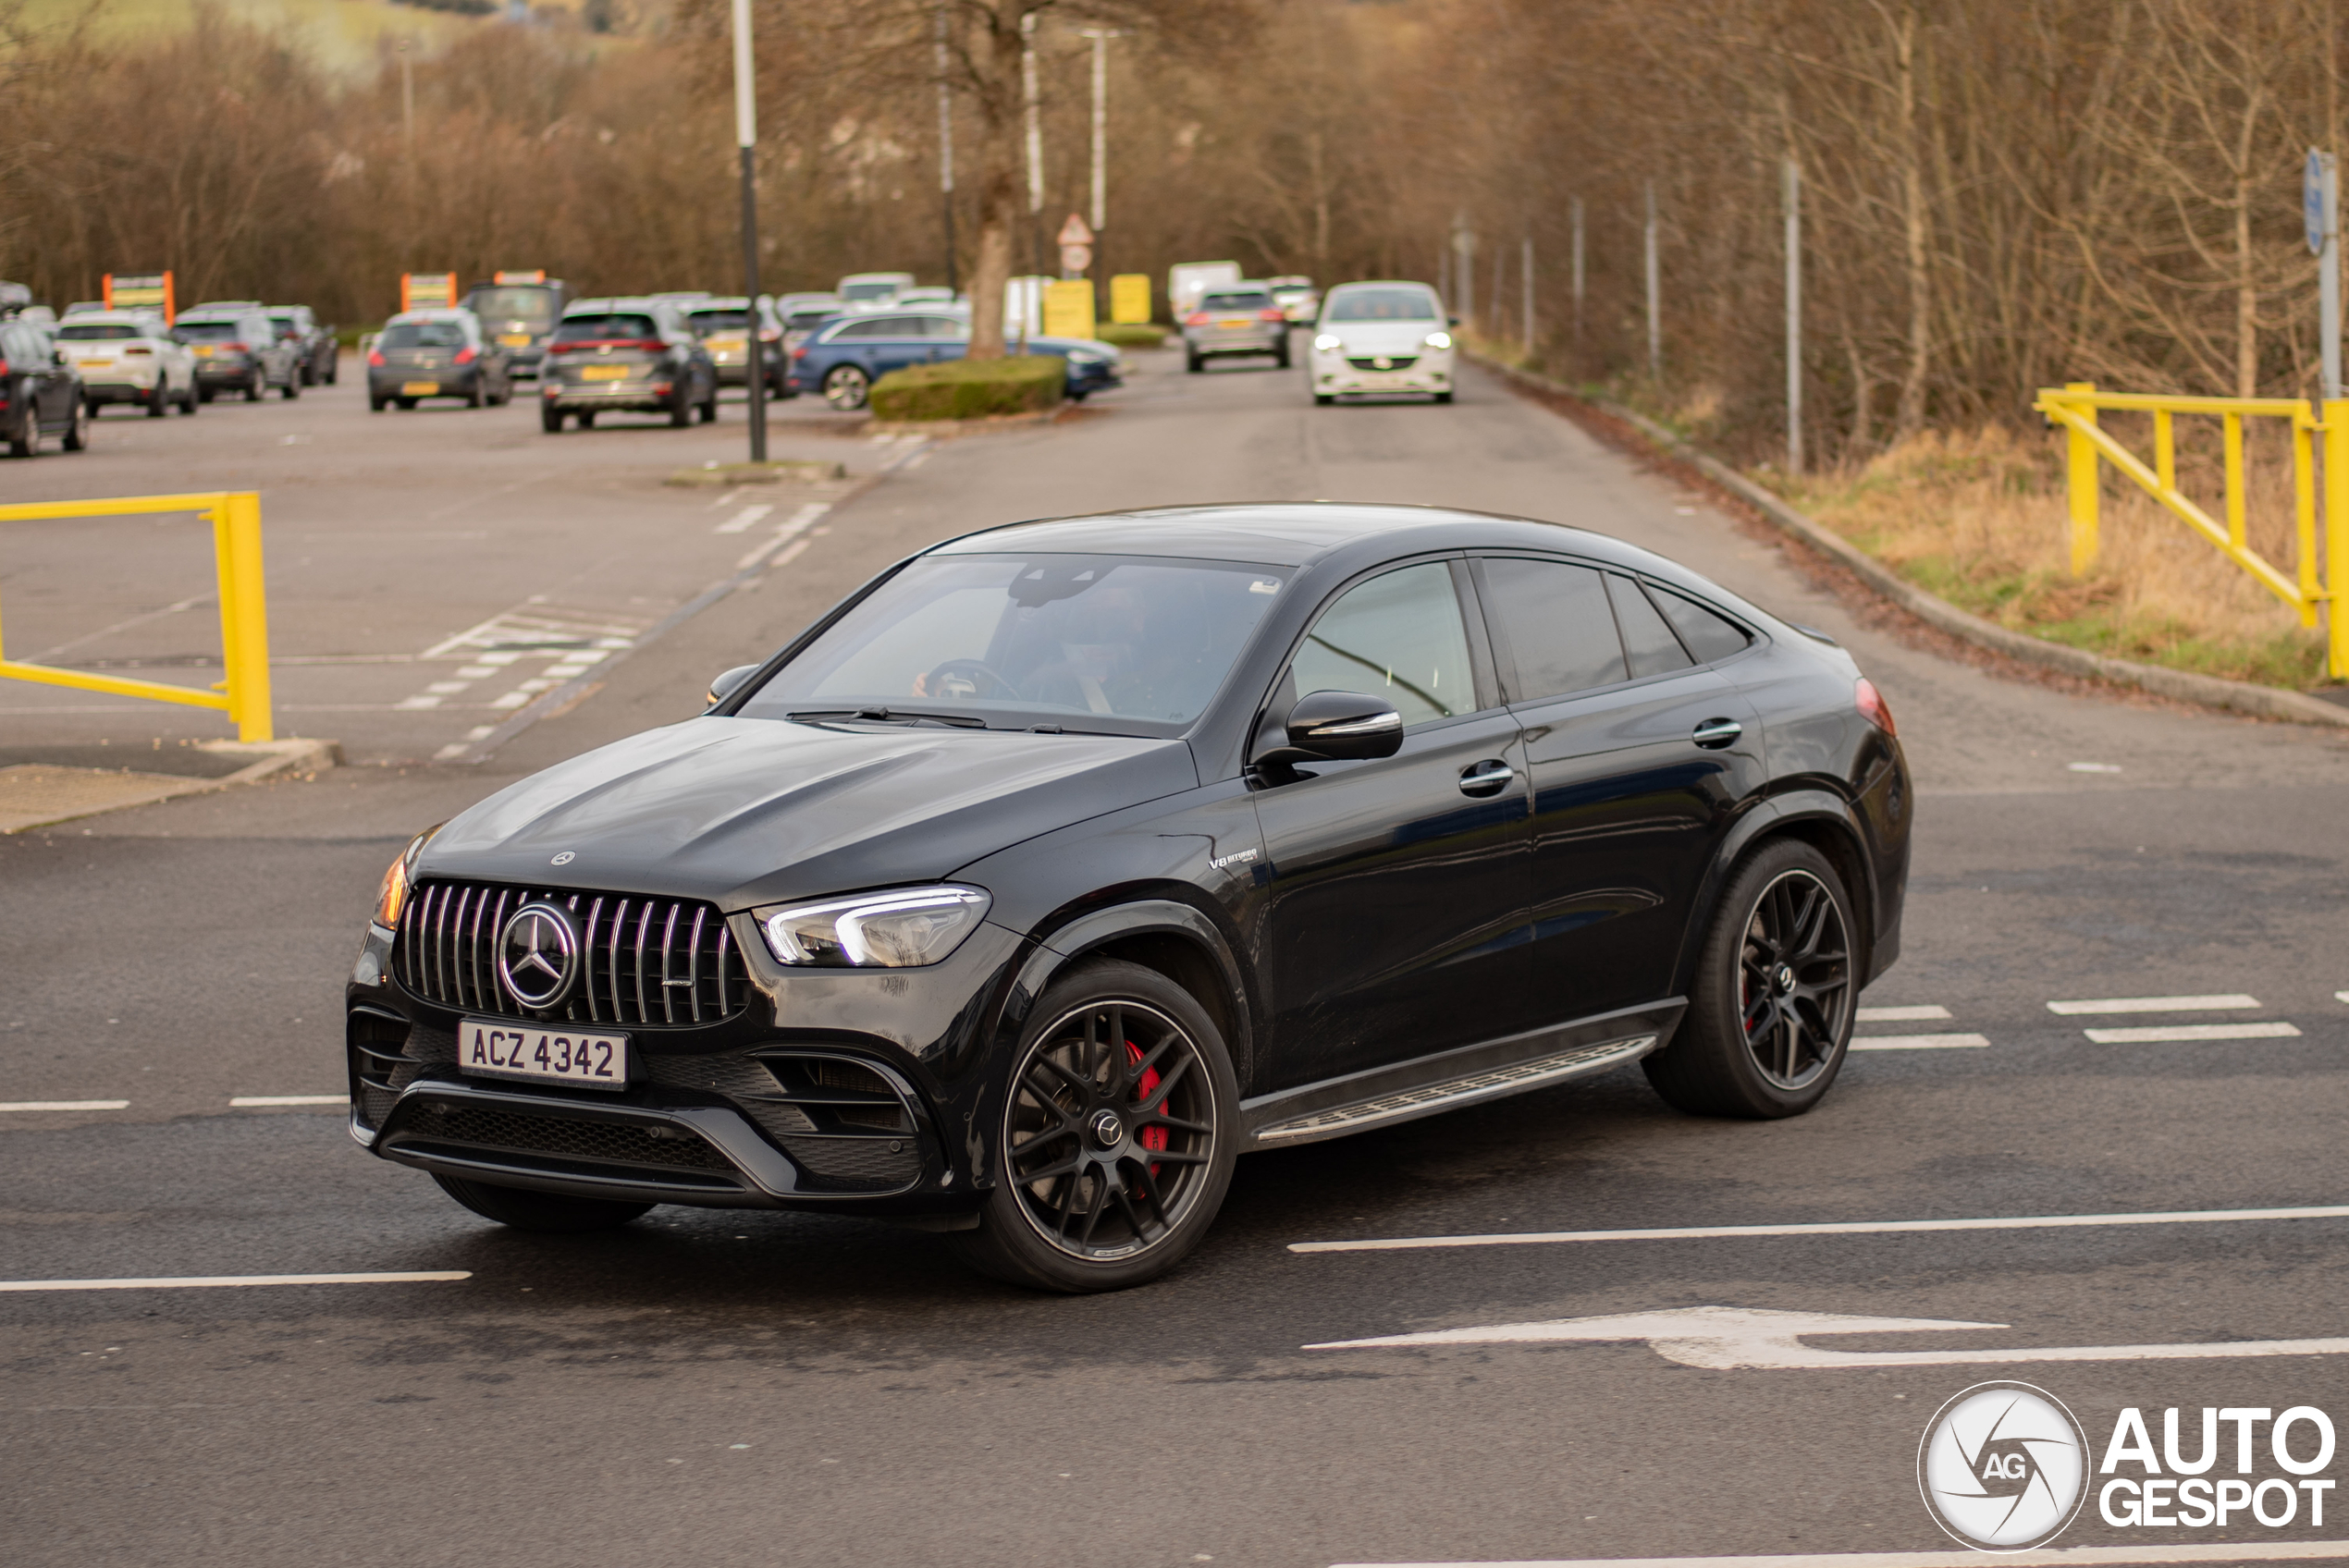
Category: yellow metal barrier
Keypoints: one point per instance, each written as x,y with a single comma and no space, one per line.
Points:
235,516
2305,589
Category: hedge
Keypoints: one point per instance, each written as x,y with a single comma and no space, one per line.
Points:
970,389
1128,335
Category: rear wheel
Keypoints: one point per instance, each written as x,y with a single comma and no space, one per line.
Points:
551,419
477,398
204,394
293,388
1770,1015
189,400
1443,396
587,418
405,402
25,440
527,1210
1120,1129
1280,355
1324,399
255,388
1194,362
159,397
77,429
710,409
847,388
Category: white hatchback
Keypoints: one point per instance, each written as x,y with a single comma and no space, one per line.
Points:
129,357
1381,337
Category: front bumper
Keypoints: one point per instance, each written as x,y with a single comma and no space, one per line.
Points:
120,385
1336,375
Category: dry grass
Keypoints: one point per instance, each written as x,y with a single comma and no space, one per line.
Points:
1980,518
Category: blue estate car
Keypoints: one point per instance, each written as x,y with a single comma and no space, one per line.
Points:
842,358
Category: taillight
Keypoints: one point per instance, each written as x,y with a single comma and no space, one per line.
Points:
1197,318
375,356
1271,315
233,349
465,355
1872,706
800,352
649,345
770,336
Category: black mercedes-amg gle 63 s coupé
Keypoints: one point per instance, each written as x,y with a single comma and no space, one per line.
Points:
1064,863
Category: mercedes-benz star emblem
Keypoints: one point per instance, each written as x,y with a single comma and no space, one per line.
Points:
1108,1129
538,954
565,858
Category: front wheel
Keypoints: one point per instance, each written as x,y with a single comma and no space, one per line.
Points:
159,397
254,389
204,394
1119,1131
293,388
25,441
847,388
76,436
527,1210
1770,1015
1443,396
1324,399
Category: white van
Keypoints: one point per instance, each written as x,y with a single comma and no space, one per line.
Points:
1186,281
873,291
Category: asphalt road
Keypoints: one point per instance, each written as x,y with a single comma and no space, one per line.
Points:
716,1387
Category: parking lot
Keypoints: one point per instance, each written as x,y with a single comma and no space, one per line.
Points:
2122,992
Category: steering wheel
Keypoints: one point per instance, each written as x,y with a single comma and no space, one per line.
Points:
982,681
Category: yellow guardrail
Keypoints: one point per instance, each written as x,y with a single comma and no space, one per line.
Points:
2305,589
235,516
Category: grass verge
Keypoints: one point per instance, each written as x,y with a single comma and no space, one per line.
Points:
970,389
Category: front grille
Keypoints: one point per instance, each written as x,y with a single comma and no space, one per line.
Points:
618,1143
647,961
1393,362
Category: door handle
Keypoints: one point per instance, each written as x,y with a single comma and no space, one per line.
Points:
1486,778
1716,733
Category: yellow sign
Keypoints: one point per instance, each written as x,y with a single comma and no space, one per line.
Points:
428,290
1068,309
1129,298
122,292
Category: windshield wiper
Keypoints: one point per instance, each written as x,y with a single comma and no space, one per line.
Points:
894,715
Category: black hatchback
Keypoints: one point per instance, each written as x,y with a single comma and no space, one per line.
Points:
1064,863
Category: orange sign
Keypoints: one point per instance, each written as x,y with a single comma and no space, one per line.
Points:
428,290
132,291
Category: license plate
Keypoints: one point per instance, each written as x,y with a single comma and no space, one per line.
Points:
1228,323
514,339
418,388
546,1056
604,373
204,350
97,365
725,345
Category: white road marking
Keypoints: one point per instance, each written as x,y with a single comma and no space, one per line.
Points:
2341,995
412,703
742,519
207,1281
1920,1042
2047,1557
1728,1339
64,1105
2092,767
1836,1228
1917,1014
792,526
247,1101
2164,1033
2232,999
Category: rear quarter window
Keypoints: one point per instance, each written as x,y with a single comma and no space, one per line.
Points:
1710,635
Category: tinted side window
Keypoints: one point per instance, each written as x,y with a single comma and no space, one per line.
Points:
864,329
1709,636
1398,636
1557,624
1648,640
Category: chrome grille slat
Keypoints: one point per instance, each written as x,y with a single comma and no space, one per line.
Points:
446,953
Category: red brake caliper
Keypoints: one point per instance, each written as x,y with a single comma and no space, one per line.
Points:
1152,1137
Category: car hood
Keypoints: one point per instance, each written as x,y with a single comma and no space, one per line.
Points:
1384,337
745,812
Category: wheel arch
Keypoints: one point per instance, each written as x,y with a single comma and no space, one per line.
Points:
1170,936
1817,816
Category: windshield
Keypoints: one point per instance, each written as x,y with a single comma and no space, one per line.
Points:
424,335
513,303
1109,645
285,326
205,331
1252,299
859,292
707,322
1383,304
807,321
599,329
92,331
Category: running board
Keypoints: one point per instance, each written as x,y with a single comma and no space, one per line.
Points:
1454,1079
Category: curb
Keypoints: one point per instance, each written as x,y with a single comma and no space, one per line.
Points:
2207,690
269,759
944,428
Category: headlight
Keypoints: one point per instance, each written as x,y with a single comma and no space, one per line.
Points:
1328,342
896,928
1439,339
394,897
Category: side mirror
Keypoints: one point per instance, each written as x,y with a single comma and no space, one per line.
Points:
730,682
1339,727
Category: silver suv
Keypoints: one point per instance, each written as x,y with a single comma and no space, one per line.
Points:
1236,318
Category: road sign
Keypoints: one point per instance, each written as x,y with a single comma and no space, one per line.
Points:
2312,201
1068,309
1075,258
426,290
1129,298
122,292
1075,232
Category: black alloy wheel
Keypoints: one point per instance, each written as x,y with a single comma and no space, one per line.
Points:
527,1210
159,397
1770,1017
1120,1126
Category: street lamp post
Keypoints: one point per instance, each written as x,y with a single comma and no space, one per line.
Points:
946,147
746,142
1100,37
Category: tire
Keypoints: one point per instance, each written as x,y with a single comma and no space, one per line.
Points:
1443,396
1748,1046
847,388
477,398
293,388
1324,399
189,402
551,419
378,405
204,394
1280,358
1083,1230
159,397
404,403
77,436
1194,364
586,418
527,1210
710,410
254,389
25,440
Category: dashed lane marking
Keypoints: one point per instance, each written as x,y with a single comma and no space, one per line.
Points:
249,1101
1916,1014
2168,1032
64,1105
1920,1042
2232,999
1835,1228
210,1282
742,519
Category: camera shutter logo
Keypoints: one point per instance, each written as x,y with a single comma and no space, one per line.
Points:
538,954
2003,1467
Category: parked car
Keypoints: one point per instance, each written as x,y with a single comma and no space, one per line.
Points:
319,355
1297,299
440,353
1232,320
872,291
803,313
724,327
632,352
1186,281
1066,862
39,390
843,359
938,294
129,357
237,349
519,311
1382,338
83,308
